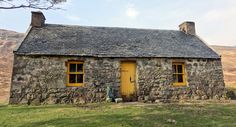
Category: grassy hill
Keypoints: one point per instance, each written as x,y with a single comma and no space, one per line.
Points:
8,41
228,54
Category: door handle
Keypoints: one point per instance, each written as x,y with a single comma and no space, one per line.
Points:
131,80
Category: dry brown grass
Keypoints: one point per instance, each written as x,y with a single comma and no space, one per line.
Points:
8,41
228,55
231,86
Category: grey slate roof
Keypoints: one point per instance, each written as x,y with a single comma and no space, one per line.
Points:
55,39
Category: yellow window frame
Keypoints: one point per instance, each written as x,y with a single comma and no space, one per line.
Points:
68,73
176,74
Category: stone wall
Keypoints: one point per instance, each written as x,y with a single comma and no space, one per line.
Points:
154,79
204,80
42,80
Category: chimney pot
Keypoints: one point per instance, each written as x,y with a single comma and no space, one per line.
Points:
188,27
37,19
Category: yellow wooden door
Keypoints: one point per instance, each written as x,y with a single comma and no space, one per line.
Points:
128,71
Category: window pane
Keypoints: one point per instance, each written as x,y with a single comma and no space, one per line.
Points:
72,78
179,68
174,68
180,78
72,67
79,67
79,78
175,79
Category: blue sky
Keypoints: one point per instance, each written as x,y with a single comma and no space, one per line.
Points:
215,19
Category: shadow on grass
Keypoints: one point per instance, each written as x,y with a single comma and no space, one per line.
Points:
3,106
22,109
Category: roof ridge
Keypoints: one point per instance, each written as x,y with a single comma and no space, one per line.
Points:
131,28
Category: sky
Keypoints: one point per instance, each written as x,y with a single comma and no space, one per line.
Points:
215,20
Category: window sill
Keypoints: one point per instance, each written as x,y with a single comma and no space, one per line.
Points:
75,85
179,85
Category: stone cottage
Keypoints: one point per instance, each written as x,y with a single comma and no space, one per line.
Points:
77,64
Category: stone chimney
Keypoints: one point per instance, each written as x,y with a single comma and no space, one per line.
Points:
188,28
37,19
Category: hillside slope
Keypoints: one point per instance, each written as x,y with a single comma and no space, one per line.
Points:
228,55
8,41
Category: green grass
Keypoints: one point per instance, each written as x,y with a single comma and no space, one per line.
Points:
117,115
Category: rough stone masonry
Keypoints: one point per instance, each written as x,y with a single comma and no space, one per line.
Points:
42,80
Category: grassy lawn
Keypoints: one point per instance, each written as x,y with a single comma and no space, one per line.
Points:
116,115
